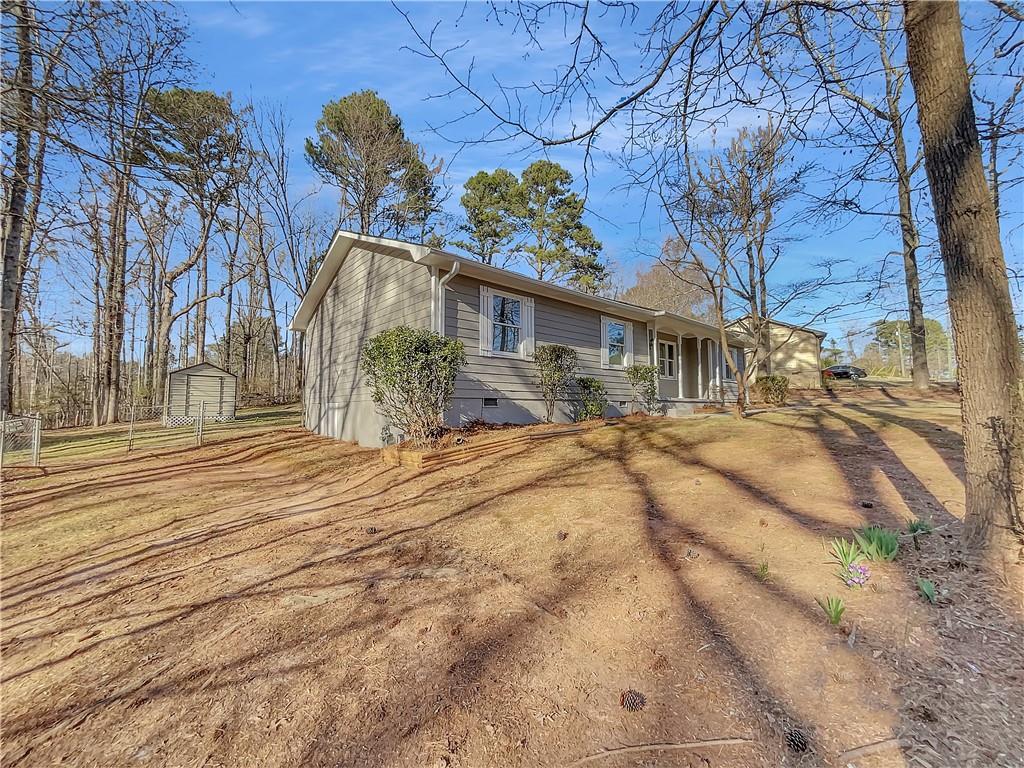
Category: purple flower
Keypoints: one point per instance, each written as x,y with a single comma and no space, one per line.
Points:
856,575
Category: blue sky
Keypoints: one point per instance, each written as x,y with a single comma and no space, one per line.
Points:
304,54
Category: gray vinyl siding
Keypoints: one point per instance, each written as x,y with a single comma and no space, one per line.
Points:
514,381
189,387
371,293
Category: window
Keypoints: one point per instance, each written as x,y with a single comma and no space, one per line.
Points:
490,402
667,359
616,343
737,358
506,324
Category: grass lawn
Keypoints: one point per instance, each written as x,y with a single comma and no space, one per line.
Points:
279,599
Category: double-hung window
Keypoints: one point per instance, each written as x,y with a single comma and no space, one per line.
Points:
667,359
736,354
506,324
616,343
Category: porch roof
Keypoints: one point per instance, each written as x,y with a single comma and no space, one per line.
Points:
670,322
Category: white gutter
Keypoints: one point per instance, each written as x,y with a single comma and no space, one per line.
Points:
442,285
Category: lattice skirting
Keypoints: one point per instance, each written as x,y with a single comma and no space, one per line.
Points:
181,421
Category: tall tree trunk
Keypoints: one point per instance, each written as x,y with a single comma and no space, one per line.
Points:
97,347
275,331
14,215
202,288
920,374
908,226
989,365
115,297
149,352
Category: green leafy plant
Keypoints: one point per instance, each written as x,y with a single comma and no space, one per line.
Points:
878,543
927,589
644,380
918,527
411,375
592,398
762,573
773,390
556,365
834,608
846,553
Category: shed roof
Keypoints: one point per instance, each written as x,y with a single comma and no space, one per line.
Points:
202,365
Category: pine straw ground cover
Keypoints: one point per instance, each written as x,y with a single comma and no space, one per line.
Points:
284,600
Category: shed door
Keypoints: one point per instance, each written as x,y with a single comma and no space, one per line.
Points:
206,389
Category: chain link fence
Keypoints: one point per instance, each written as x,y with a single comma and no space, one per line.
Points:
20,440
150,428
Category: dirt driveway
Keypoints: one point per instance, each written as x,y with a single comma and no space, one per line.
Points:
285,600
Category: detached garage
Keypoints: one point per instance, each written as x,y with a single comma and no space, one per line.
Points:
188,388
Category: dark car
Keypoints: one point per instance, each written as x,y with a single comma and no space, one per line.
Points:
844,372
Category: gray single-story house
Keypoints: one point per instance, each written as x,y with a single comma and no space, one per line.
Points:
369,284
188,388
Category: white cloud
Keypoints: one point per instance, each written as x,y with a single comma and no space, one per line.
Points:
238,18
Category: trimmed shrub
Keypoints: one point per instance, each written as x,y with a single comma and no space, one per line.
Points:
556,365
772,389
411,374
644,380
592,398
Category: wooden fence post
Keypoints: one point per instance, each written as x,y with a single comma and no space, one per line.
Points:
131,426
37,440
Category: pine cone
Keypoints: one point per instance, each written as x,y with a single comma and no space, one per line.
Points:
796,740
632,701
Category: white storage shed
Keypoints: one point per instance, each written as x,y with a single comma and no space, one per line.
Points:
188,388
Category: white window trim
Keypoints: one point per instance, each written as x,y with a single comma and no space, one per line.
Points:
627,347
674,358
526,333
727,373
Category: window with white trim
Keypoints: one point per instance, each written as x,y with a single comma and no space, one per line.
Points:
506,324
616,343
736,354
667,359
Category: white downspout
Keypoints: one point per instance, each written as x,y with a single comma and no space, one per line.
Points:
442,285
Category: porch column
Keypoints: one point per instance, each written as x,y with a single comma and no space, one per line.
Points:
700,369
679,363
718,367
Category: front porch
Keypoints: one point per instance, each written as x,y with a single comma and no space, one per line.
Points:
692,370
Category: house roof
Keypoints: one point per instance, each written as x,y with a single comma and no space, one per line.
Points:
343,241
203,364
820,334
